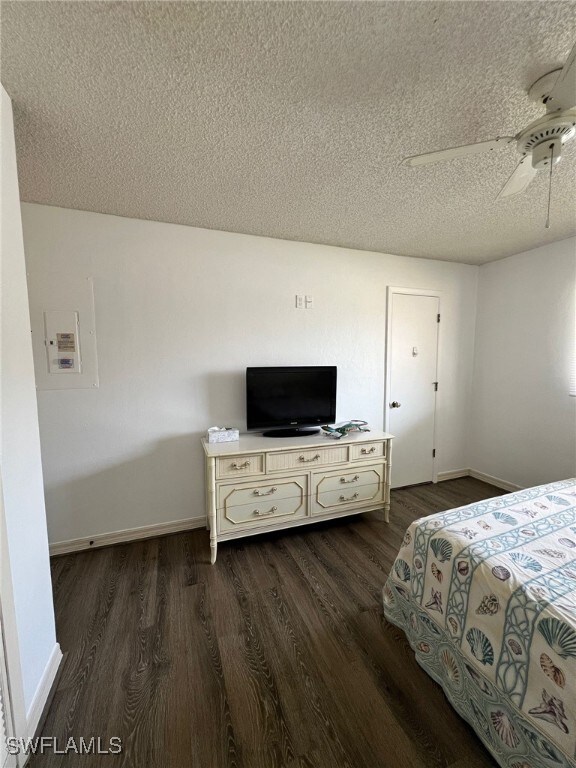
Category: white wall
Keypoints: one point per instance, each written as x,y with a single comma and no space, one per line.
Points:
523,419
24,511
180,313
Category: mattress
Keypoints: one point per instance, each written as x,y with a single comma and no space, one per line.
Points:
486,595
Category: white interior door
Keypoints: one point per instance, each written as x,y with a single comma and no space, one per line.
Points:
412,364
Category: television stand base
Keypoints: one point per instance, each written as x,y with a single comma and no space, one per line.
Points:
291,432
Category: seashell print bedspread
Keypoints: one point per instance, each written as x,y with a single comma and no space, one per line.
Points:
486,595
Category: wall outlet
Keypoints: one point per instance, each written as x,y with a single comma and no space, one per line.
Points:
308,302
299,301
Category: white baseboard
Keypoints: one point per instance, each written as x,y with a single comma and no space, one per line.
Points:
452,474
36,709
130,534
176,526
498,482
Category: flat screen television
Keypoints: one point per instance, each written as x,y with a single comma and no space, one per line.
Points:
288,401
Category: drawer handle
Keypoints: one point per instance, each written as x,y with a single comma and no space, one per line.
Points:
350,498
245,465
265,514
366,451
306,461
266,493
353,480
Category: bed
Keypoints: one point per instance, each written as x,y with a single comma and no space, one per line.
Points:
486,595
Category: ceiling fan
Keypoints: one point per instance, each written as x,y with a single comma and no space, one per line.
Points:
540,143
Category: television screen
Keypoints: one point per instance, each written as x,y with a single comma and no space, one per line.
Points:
290,398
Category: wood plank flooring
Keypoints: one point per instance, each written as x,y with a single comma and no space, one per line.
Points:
278,655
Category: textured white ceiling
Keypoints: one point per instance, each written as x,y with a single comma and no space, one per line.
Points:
290,119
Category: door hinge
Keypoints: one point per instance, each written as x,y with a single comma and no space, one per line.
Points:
434,453
435,386
438,318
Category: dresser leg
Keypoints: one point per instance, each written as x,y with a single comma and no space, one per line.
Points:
213,548
386,513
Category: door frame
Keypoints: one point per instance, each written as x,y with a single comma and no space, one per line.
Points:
6,699
391,290
11,671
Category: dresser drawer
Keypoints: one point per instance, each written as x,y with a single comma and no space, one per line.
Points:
367,451
259,506
307,458
239,466
346,489
261,491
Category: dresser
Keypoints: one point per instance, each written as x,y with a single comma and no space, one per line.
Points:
259,484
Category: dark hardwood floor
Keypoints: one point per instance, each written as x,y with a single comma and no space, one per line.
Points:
278,655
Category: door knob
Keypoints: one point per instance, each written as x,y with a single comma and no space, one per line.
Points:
395,404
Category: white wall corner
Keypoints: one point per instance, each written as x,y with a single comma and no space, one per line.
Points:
26,542
40,698
453,474
524,345
497,481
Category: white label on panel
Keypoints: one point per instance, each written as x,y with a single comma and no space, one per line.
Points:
62,342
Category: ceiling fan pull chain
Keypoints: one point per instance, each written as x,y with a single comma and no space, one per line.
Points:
547,225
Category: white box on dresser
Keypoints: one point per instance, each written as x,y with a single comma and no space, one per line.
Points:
260,484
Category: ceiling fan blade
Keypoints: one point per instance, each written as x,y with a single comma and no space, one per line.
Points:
563,94
453,152
522,176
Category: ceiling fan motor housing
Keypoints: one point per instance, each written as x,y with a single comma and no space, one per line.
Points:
546,153
543,139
